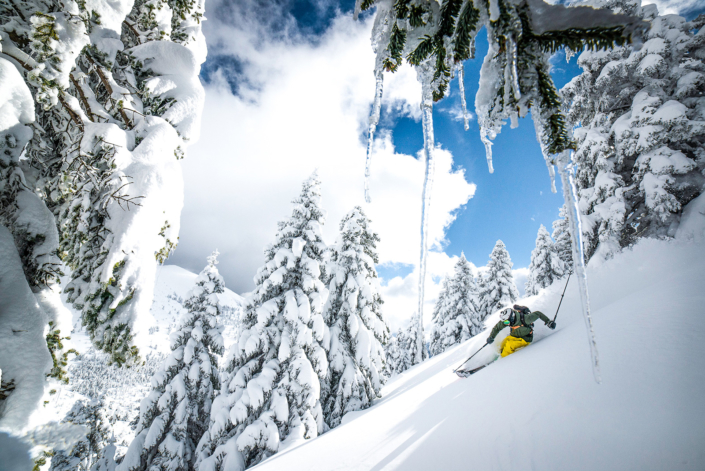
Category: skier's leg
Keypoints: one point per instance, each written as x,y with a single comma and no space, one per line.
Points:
512,344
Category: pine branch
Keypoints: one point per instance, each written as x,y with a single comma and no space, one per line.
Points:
422,51
82,97
466,26
108,88
575,39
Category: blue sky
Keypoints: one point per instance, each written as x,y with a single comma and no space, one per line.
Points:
289,86
509,204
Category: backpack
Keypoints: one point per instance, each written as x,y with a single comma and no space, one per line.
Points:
522,323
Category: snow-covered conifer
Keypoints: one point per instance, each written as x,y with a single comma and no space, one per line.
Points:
546,266
561,236
175,414
393,354
438,310
640,153
498,289
111,107
272,383
456,317
91,448
409,344
354,317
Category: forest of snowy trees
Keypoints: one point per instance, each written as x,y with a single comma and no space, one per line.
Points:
99,102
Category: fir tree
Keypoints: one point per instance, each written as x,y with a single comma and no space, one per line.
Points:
174,416
438,314
546,265
92,448
409,343
437,36
274,370
456,317
354,317
561,236
105,122
498,289
640,153
393,354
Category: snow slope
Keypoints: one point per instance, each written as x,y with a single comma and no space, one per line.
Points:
540,408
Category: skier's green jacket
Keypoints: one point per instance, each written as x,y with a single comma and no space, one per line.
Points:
519,330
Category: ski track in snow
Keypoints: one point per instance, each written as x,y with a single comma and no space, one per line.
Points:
540,408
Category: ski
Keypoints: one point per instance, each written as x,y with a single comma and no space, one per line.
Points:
466,373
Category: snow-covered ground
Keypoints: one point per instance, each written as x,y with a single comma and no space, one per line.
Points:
541,408
122,389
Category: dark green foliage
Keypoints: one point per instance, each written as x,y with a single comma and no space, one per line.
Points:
519,52
60,359
464,41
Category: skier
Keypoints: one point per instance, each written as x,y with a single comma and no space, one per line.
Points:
520,320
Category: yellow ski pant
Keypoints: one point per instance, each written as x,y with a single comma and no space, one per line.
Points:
511,345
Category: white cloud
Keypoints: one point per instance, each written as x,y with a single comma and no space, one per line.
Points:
303,106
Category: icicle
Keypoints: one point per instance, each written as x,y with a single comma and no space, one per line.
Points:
461,82
550,164
374,119
488,147
552,174
358,8
570,196
428,142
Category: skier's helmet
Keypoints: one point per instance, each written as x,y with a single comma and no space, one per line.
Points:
507,316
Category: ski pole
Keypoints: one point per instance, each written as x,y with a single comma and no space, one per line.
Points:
561,301
470,357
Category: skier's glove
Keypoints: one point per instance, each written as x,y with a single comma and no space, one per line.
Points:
551,325
490,340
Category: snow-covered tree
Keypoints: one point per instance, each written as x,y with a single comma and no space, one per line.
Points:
498,289
114,97
393,354
456,317
93,447
175,414
546,265
409,344
353,314
561,236
272,383
438,314
640,152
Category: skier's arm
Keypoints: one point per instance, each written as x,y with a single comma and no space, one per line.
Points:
542,316
495,330
546,320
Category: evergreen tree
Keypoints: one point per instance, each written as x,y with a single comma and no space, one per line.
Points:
561,236
456,317
438,314
174,416
111,109
92,448
272,387
546,266
498,289
393,354
640,153
354,317
435,36
409,344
